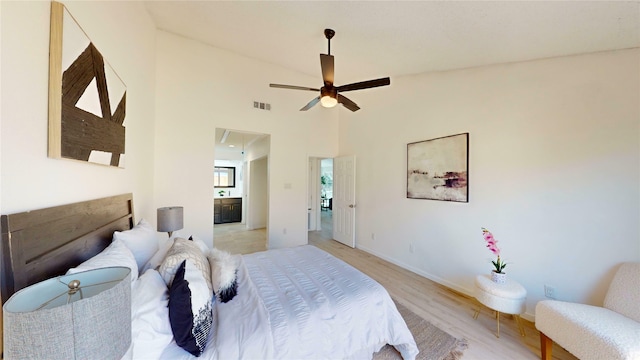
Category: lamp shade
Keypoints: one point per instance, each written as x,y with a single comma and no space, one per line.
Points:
43,321
170,218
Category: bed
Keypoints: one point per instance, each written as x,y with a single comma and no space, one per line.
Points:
293,303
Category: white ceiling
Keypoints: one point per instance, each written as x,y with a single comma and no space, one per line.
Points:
235,141
394,38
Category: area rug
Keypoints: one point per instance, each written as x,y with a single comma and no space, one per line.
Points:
433,343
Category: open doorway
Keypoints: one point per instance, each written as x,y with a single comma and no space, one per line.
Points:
326,197
241,191
320,205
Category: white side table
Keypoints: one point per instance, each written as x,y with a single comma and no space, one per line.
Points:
508,298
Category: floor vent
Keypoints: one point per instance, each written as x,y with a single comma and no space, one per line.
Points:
261,105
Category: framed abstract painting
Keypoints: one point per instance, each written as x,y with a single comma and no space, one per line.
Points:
87,99
438,169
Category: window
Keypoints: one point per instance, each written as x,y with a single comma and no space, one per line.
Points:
224,176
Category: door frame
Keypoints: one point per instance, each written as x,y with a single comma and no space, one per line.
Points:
314,192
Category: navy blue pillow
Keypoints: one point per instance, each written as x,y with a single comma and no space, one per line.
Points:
189,309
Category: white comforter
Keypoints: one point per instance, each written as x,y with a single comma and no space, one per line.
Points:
303,303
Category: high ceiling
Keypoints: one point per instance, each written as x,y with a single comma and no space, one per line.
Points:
394,38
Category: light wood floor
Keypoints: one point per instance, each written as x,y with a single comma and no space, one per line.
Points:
443,307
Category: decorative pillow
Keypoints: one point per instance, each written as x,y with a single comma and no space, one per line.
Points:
180,250
116,254
190,312
224,270
142,240
203,247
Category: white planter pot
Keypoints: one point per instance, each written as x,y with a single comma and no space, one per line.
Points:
499,278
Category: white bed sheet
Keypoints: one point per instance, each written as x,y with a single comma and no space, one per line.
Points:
303,303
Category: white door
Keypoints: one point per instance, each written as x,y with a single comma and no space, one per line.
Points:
344,200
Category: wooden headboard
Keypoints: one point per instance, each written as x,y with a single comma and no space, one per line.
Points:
40,244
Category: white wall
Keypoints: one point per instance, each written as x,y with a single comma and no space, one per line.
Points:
257,156
258,193
554,172
199,88
31,180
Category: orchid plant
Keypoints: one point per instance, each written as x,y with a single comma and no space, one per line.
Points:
492,244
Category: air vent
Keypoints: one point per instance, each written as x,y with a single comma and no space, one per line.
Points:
261,106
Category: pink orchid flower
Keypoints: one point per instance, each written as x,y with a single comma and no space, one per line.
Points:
492,245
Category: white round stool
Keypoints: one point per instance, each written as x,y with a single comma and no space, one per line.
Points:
508,298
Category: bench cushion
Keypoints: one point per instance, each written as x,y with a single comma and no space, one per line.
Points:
507,298
623,295
589,332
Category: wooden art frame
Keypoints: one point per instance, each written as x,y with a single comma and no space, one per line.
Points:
87,99
437,169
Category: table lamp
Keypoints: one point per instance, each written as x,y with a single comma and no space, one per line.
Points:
86,315
170,219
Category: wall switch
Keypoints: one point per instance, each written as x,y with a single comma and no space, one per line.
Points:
549,291
373,236
284,231
411,247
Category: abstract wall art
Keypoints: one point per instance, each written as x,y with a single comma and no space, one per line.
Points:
87,99
438,169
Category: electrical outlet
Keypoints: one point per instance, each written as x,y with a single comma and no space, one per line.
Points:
411,247
549,291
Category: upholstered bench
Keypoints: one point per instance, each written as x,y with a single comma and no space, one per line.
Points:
508,298
610,332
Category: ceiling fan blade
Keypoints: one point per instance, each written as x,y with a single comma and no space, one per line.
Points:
326,62
311,104
348,103
364,85
292,87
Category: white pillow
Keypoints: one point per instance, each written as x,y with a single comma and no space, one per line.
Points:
150,327
180,250
156,259
142,240
163,247
116,254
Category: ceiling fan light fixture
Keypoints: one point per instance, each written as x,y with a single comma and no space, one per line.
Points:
328,101
328,96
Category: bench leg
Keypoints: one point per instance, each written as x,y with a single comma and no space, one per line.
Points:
475,314
520,326
545,347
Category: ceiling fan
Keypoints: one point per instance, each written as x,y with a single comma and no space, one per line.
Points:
330,94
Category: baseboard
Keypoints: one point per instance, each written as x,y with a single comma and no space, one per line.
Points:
468,292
